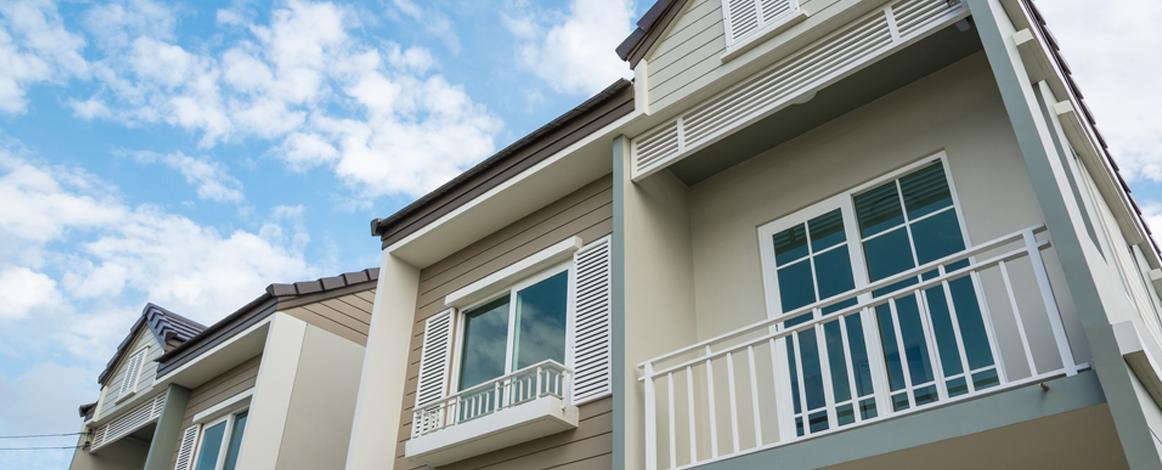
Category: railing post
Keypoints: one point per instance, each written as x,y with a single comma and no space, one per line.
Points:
1051,310
651,419
537,392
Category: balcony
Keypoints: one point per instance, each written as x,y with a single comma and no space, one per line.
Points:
521,406
974,323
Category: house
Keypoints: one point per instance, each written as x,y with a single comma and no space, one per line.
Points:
271,385
809,233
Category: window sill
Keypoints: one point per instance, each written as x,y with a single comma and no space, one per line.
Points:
769,31
505,428
540,260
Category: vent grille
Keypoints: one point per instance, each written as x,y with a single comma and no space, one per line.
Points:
853,46
747,17
129,421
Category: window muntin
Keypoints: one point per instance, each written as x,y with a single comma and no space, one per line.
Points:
524,326
220,443
887,227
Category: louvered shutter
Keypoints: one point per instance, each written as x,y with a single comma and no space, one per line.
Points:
744,17
591,329
132,370
435,355
186,449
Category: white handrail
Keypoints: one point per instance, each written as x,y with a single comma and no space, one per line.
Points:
981,248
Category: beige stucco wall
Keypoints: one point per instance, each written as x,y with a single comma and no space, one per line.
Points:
956,110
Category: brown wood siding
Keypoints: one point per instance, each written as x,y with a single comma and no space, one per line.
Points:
348,316
586,213
217,390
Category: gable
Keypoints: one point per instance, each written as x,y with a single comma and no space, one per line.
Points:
689,47
133,370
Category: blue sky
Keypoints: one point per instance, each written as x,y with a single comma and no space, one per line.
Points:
190,154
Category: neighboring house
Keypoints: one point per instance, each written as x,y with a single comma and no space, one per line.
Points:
854,233
272,385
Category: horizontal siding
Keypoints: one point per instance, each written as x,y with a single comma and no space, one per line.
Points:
586,213
689,50
348,316
219,389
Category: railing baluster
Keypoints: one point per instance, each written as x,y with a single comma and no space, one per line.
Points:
930,342
671,420
825,371
955,320
733,401
1046,289
754,397
713,406
690,410
801,382
651,420
986,316
1017,317
851,375
903,354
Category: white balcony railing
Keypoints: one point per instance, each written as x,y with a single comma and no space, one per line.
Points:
752,389
544,379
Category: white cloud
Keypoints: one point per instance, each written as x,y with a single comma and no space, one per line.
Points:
209,178
573,51
34,47
23,291
433,21
1113,51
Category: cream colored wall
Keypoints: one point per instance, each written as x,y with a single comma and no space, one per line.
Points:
956,110
322,403
659,290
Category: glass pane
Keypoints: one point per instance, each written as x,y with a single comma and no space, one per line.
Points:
840,386
790,244
485,343
211,446
915,347
859,360
937,236
827,230
878,209
795,286
833,271
925,191
235,441
942,329
968,316
812,375
540,320
888,254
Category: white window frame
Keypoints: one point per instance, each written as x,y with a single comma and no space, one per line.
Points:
511,291
129,382
229,419
845,201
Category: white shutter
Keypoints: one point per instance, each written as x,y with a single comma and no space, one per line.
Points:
592,362
132,371
744,17
186,449
435,355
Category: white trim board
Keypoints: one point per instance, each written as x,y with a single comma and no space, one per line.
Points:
540,260
234,403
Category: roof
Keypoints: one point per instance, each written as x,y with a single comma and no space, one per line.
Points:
86,410
1055,49
613,102
649,29
274,297
169,328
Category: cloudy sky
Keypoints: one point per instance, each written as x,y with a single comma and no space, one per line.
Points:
191,154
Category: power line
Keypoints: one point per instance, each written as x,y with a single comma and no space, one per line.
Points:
41,448
30,436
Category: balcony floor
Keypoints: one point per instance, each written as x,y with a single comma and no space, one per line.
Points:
1067,426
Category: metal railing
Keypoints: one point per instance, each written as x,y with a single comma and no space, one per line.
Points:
543,379
920,338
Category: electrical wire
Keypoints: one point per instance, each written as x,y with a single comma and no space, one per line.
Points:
40,448
30,436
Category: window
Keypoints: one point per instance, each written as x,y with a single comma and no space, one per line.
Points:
522,327
856,238
220,443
